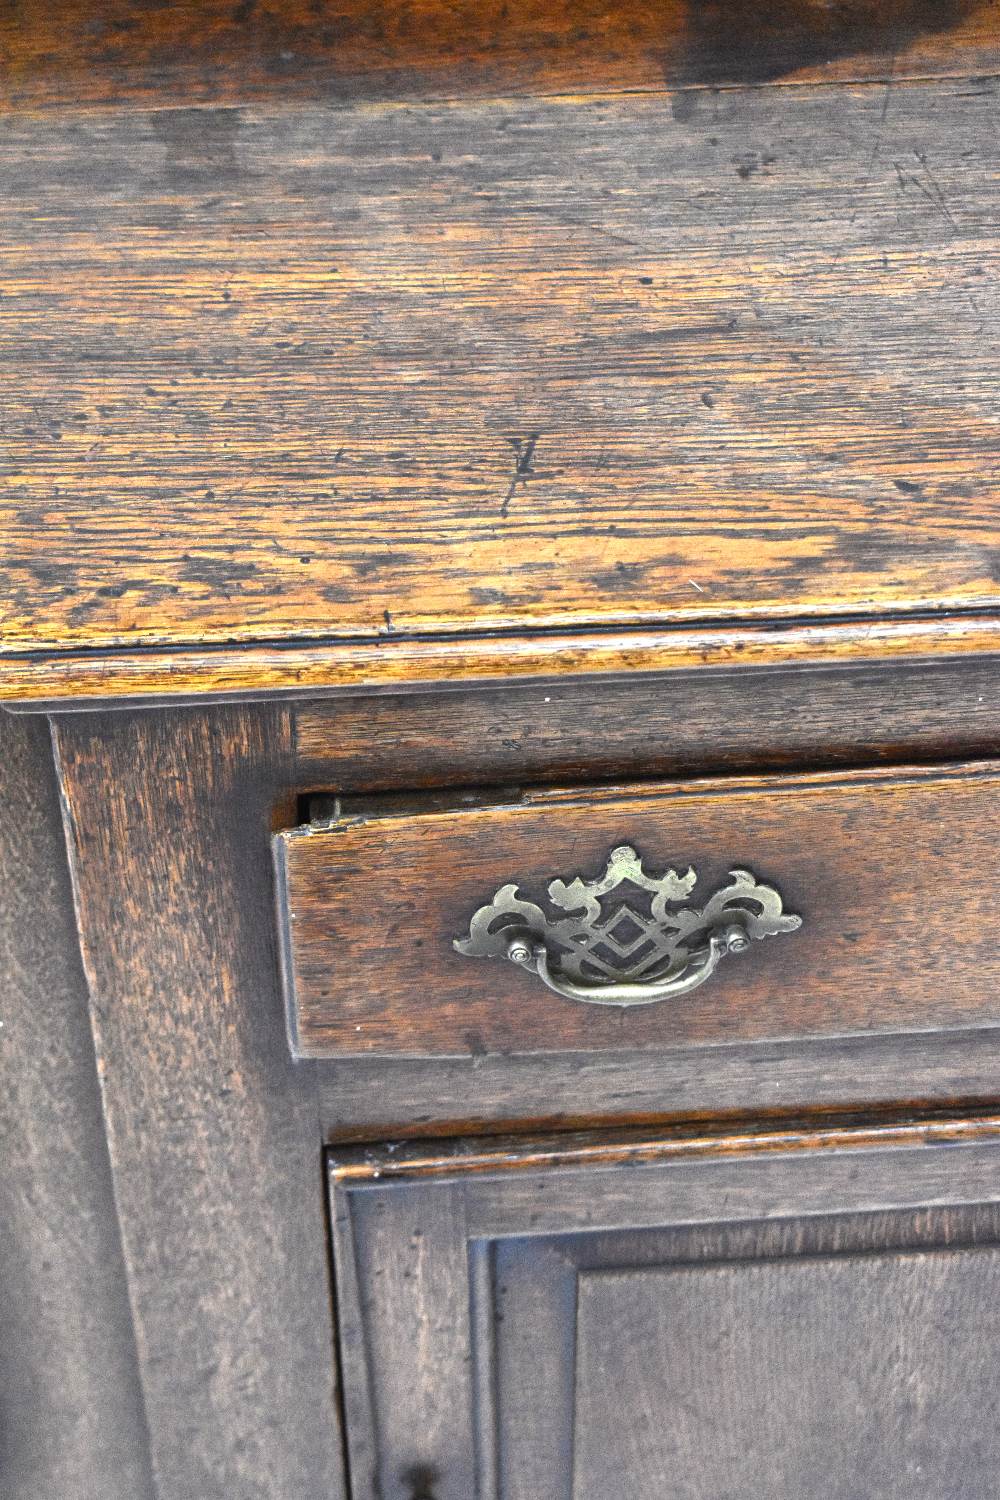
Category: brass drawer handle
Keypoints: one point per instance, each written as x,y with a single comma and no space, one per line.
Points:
626,951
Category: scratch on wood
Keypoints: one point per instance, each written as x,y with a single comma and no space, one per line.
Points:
525,452
933,194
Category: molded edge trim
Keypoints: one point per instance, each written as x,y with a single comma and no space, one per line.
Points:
37,681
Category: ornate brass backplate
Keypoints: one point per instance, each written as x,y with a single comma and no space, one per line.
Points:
627,938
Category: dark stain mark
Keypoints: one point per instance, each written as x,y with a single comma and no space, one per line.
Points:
216,572
684,106
49,573
337,593
243,11
421,1481
908,486
475,1044
488,596
884,552
525,452
80,613
619,579
749,162
707,399
201,148
730,41
389,626
371,567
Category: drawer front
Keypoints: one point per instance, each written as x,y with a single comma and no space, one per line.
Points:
874,897
799,1315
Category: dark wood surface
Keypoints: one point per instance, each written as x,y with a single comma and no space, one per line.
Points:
667,360
374,1099
887,869
678,724
211,1133
212,1130
72,1422
800,1303
829,1375
196,51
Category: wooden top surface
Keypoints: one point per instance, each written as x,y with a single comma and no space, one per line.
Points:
300,391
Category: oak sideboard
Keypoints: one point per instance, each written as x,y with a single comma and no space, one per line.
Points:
500,750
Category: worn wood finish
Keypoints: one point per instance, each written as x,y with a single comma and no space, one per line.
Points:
840,1376
890,872
212,1130
204,51
824,1268
389,1099
114,679
691,723
71,1408
666,361
688,1141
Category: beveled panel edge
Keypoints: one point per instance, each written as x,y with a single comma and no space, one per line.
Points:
282,913
48,681
355,1165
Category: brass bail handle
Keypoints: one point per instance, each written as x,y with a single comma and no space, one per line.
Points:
609,951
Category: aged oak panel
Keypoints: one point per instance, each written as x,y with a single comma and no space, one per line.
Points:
675,1318
677,724
846,1376
211,1129
361,390
891,872
377,1098
72,1419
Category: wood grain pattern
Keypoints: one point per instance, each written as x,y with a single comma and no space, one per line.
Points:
678,724
608,1148
212,1130
204,51
833,1376
890,872
71,1405
86,679
533,1237
391,1099
337,378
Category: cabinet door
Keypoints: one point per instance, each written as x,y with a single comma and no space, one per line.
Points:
794,1313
